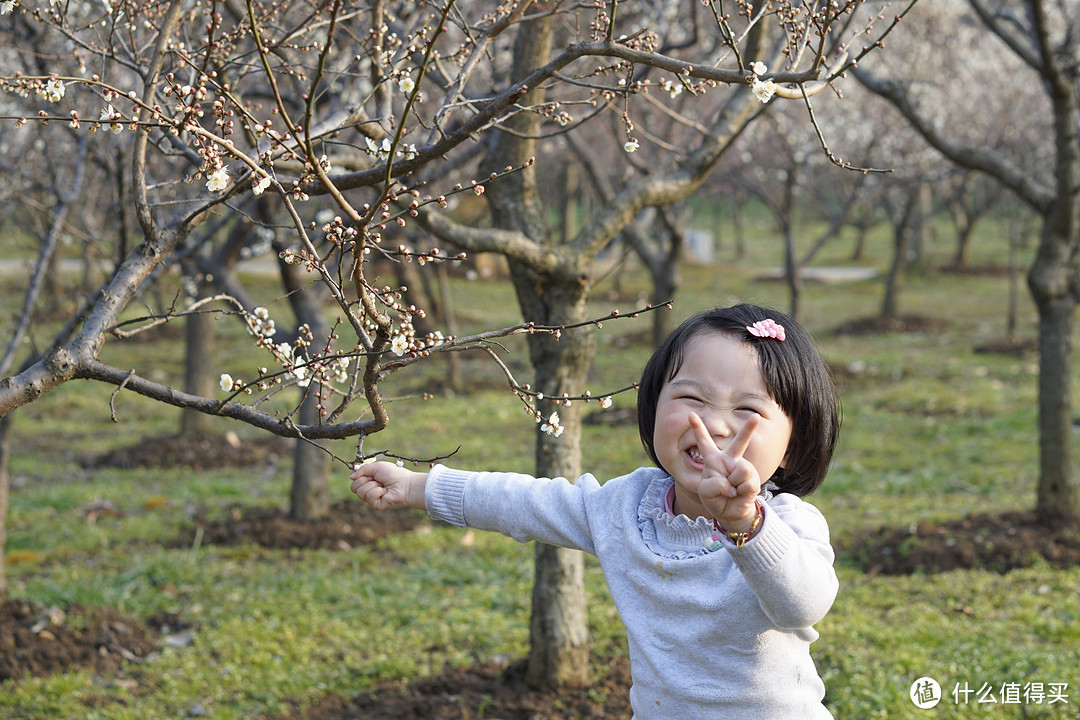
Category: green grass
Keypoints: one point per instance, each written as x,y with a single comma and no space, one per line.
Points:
932,431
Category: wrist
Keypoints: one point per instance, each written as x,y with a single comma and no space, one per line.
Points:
417,490
740,532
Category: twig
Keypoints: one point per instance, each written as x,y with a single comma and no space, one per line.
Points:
112,398
833,157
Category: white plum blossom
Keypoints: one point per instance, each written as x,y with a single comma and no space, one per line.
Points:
671,88
218,180
112,117
764,90
7,6
260,323
226,382
261,185
631,145
301,374
553,426
341,370
399,345
605,402
382,152
759,68
406,85
54,90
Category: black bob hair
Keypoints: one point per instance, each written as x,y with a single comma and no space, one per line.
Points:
795,375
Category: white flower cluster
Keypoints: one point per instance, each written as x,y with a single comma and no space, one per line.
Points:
218,180
382,150
553,425
259,323
8,6
290,356
763,89
260,184
672,88
54,90
114,118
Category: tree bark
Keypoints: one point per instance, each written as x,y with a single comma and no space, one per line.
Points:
559,629
198,370
5,489
309,494
1059,485
890,303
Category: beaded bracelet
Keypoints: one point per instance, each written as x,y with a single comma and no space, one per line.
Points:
740,538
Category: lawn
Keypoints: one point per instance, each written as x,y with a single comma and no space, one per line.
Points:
933,432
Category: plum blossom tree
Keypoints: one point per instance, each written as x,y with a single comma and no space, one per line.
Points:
329,125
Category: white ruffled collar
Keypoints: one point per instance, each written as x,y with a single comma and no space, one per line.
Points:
676,537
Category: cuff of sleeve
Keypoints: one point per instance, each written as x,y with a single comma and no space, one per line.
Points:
444,494
766,549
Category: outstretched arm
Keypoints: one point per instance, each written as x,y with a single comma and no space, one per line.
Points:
383,486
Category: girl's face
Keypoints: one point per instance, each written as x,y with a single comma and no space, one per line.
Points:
720,380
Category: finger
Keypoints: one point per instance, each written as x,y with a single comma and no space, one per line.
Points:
372,493
362,471
744,478
741,441
705,442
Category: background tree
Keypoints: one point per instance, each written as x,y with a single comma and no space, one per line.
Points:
1030,42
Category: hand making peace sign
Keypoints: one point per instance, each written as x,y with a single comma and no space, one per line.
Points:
729,482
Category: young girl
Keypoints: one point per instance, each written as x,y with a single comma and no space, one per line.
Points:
717,567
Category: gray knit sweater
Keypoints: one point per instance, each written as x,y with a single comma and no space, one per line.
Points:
712,635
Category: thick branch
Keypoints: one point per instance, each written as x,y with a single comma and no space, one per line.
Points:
94,370
1027,188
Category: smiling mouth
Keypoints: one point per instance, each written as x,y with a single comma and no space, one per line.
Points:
695,457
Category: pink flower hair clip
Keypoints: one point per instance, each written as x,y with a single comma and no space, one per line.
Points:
767,328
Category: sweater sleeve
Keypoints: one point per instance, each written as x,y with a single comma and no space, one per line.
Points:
551,510
789,563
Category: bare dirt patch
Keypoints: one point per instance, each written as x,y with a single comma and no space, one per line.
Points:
899,324
999,543
348,524
36,640
486,690
198,451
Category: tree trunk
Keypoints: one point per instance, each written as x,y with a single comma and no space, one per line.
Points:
559,652
792,272
5,489
309,495
198,369
964,231
1058,500
890,304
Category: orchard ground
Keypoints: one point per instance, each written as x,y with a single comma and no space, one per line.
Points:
150,571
